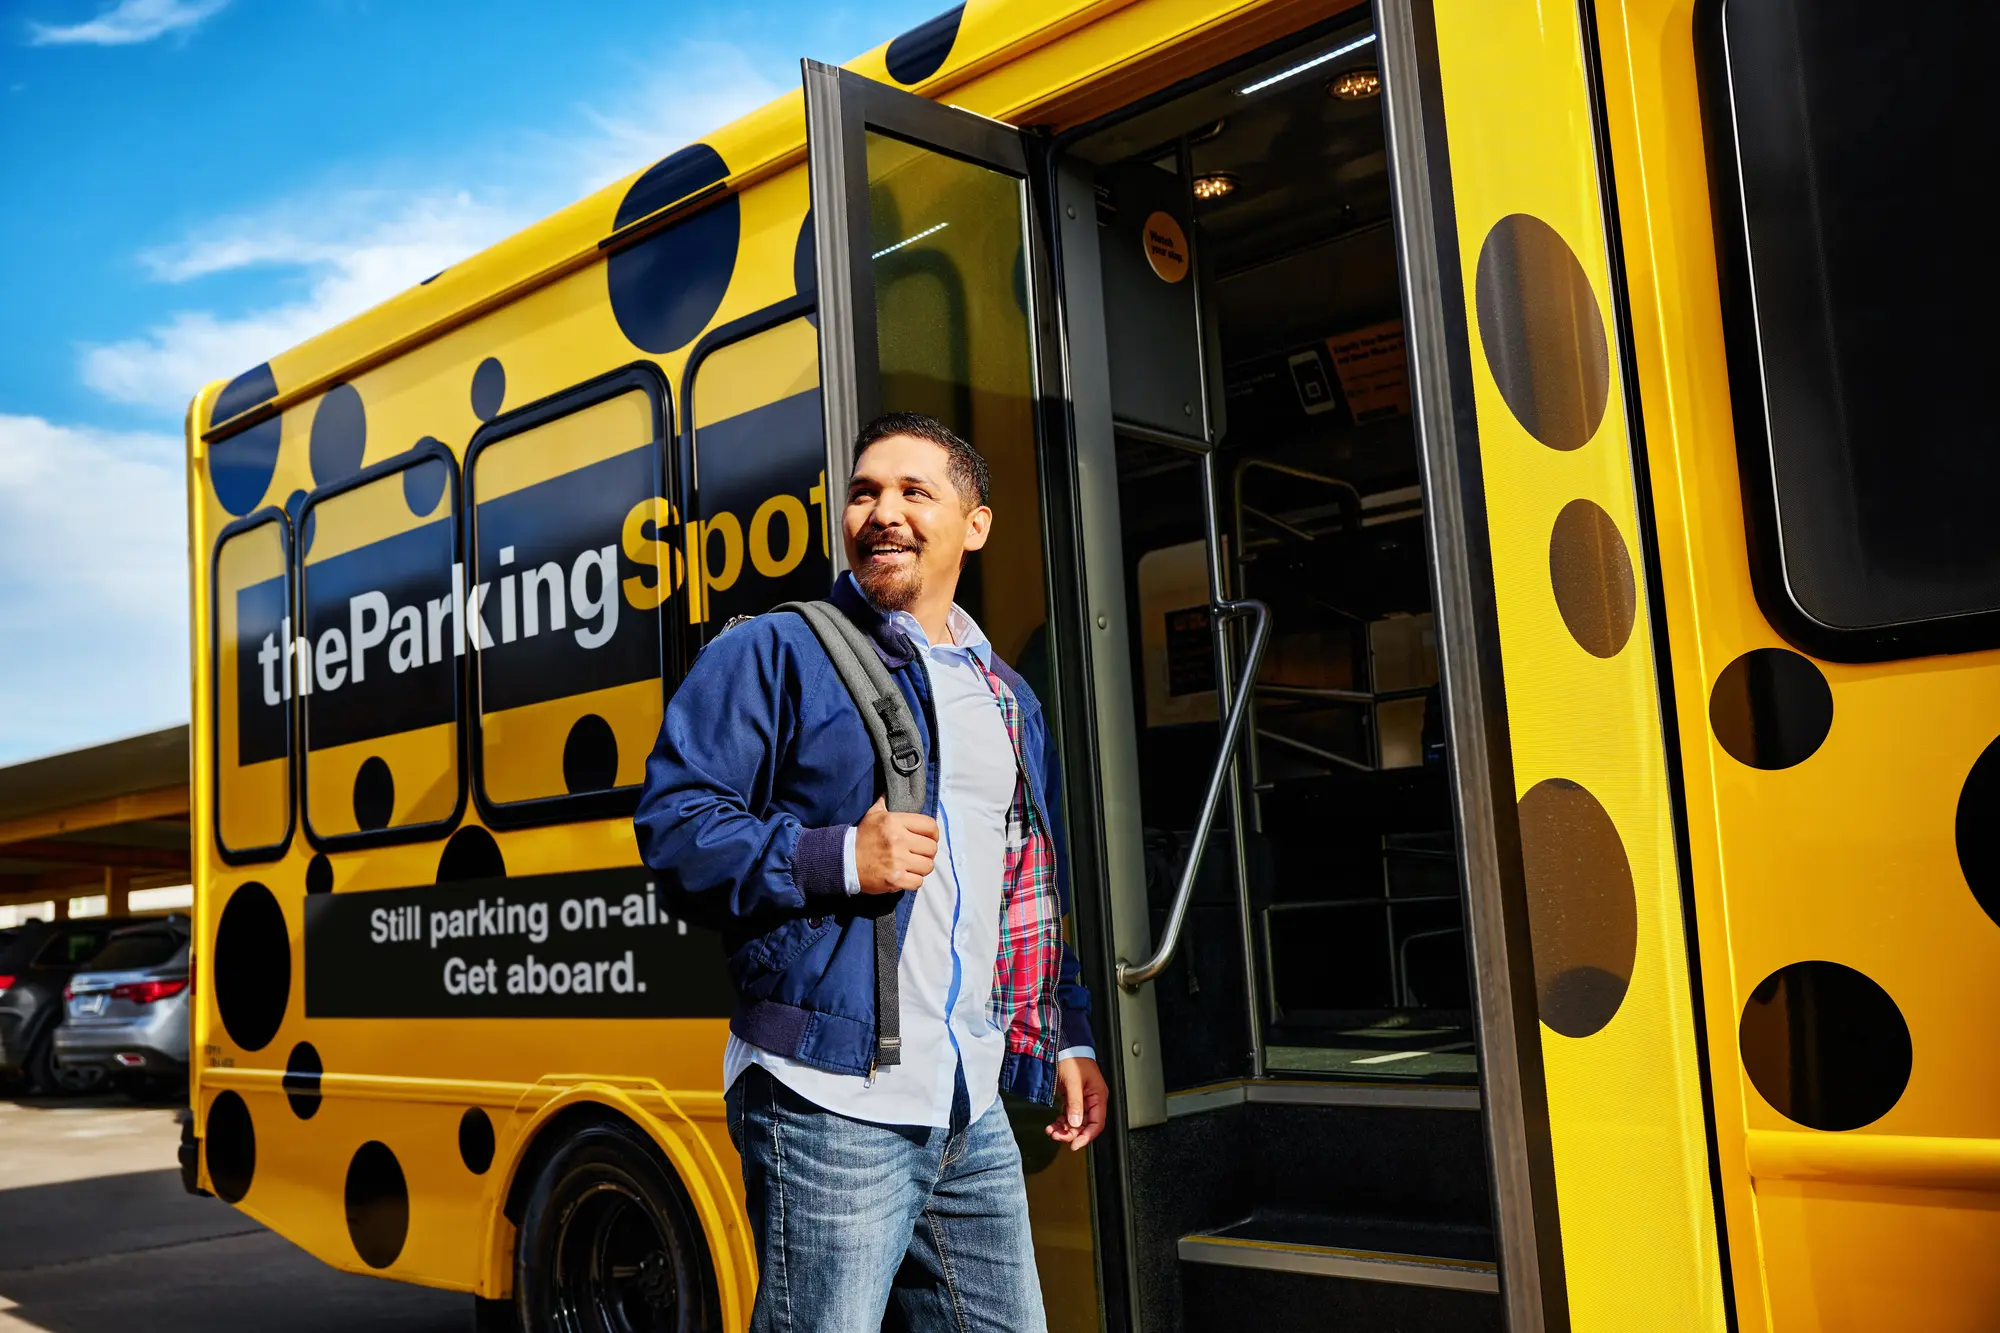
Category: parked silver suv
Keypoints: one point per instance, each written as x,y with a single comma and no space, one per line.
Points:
128,1008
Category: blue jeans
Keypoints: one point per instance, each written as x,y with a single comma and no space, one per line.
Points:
862,1227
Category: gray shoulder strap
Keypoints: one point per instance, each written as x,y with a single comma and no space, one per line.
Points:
899,755
899,747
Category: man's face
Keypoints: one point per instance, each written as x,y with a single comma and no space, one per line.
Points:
906,527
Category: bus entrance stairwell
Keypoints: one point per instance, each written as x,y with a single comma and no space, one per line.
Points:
1315,1156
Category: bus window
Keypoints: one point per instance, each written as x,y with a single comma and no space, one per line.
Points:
253,716
759,475
1860,278
377,665
569,533
951,320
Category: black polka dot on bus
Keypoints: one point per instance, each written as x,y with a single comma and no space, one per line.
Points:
1591,572
1583,919
665,288
475,1140
339,435
470,853
302,1075
1978,830
240,467
423,485
319,874
1543,335
922,51
253,966
230,1144
489,388
374,794
1771,708
590,755
378,1204
1825,1045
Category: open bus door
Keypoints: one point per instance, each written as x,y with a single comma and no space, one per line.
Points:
933,295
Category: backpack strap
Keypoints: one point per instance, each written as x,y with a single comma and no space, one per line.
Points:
899,758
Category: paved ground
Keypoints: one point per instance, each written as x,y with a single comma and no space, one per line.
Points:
97,1236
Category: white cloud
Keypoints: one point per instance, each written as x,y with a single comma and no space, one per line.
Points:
360,247
710,84
93,585
127,23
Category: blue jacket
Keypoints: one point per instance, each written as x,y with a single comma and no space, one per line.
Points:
761,766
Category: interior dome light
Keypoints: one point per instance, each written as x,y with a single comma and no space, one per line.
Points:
1356,85
1215,185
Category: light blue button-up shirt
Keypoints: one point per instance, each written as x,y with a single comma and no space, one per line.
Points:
945,976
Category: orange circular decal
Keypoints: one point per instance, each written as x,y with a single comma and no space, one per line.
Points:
1166,246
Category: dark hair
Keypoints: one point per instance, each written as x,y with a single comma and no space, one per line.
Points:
967,470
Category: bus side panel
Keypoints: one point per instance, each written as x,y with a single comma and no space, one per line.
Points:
1610,956
1847,856
372,1110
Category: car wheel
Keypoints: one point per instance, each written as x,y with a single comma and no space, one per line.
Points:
51,1079
610,1244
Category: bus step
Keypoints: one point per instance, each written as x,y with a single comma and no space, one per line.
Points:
1365,1249
1384,1272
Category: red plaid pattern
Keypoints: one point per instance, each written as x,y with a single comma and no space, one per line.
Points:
1024,1002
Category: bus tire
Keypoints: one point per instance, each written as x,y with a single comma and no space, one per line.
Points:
609,1242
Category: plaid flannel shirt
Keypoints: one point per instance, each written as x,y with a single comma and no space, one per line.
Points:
1029,965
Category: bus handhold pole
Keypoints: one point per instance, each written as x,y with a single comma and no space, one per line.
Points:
1134,975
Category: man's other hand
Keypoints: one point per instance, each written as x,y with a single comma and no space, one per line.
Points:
893,852
1082,1099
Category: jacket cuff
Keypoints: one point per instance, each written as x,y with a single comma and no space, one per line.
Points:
818,862
1076,1028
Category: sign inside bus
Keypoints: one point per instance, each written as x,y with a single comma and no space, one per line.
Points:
561,599
590,944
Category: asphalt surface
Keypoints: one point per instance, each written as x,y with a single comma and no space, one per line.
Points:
97,1236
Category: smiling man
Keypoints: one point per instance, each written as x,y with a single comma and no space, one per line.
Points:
871,1184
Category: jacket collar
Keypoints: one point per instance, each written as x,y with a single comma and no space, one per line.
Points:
890,643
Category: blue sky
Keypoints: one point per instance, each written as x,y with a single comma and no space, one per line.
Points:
194,185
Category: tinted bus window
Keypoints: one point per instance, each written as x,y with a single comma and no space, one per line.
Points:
760,536
1861,329
570,540
387,619
253,689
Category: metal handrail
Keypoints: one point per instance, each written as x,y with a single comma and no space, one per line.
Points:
1134,975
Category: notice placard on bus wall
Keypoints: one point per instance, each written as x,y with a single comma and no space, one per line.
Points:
590,944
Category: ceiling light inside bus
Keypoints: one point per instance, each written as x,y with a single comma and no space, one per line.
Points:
1305,65
1356,84
1215,185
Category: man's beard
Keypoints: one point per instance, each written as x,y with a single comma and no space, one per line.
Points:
893,588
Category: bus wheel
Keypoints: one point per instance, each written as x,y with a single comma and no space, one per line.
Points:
609,1242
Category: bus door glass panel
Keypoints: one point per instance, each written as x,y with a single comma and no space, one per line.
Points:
570,543
947,245
253,712
761,536
377,662
934,287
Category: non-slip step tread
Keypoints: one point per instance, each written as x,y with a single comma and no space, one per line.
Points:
1385,1235
1362,1248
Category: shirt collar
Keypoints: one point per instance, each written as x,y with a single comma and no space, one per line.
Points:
967,637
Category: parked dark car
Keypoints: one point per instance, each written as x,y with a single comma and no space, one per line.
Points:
36,962
128,1010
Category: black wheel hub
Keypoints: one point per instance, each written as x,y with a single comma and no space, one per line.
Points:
618,1269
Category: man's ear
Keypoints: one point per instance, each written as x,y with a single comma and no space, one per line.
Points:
978,525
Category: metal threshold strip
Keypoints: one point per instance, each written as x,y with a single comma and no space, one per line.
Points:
1413,1270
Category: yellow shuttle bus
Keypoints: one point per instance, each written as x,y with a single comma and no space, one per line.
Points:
1480,440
